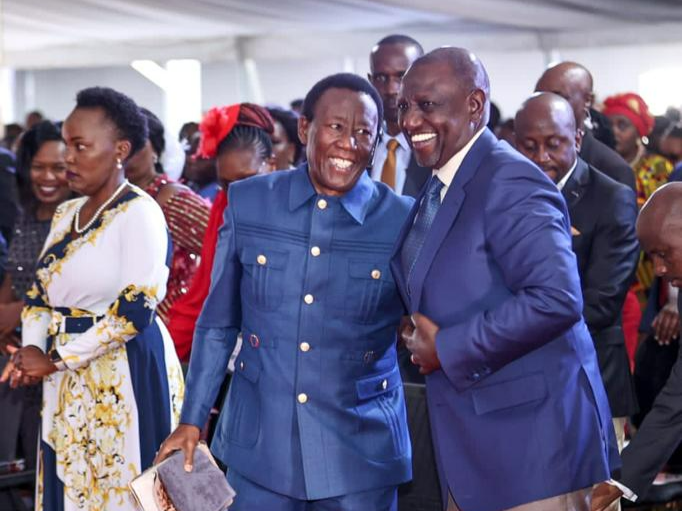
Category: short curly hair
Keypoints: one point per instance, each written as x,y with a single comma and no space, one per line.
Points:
121,110
347,81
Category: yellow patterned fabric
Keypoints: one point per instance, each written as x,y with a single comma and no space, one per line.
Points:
100,417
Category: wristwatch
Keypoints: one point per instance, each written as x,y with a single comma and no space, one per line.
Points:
56,359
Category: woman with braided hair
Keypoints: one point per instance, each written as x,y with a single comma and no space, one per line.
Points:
238,136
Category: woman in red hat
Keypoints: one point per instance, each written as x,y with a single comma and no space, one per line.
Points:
632,124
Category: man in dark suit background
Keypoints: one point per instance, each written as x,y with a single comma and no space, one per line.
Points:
394,163
603,215
574,83
659,228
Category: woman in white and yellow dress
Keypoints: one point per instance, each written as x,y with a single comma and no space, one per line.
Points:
112,383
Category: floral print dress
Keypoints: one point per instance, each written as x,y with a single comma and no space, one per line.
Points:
94,301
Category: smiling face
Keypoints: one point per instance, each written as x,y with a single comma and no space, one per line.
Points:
339,139
438,115
93,147
48,174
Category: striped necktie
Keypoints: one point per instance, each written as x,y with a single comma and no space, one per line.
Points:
420,228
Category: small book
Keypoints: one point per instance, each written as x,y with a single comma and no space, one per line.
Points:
167,487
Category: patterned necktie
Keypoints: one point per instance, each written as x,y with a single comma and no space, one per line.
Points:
420,228
388,170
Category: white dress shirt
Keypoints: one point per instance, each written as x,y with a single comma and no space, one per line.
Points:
402,160
447,172
560,185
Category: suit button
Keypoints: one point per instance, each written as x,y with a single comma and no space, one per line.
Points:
376,274
241,365
384,384
322,204
315,251
304,347
261,259
308,299
302,398
475,376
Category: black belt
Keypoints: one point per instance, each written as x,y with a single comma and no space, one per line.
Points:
73,325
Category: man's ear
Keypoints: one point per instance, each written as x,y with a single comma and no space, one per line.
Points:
476,105
578,139
589,99
303,127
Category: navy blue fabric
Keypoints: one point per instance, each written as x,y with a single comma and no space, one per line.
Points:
251,496
498,275
150,385
53,488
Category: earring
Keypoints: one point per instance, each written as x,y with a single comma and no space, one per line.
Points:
155,159
119,164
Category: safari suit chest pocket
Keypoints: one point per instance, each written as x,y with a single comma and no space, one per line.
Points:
369,284
263,278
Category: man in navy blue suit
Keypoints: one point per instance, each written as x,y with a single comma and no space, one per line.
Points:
519,415
315,416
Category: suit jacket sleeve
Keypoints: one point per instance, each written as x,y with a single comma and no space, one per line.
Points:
216,331
658,436
613,257
527,236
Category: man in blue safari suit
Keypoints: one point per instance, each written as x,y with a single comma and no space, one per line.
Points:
519,415
315,416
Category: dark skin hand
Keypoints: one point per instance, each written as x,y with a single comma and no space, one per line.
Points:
604,495
185,438
419,336
7,341
666,325
27,366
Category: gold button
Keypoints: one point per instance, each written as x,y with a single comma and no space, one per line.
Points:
304,346
308,299
315,251
376,274
384,384
302,398
261,259
322,204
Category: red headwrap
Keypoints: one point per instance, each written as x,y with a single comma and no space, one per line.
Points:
633,107
219,122
214,127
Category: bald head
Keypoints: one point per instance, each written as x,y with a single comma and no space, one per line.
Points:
571,81
659,229
465,67
546,134
443,103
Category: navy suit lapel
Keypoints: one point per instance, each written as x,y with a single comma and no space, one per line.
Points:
576,185
447,214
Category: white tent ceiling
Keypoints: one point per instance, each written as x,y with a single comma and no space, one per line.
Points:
64,33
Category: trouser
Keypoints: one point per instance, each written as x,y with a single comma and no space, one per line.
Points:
575,501
253,497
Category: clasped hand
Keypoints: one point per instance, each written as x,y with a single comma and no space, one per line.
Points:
26,366
419,335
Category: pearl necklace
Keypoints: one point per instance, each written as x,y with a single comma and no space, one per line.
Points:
105,205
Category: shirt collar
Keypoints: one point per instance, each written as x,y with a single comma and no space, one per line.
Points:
447,172
560,185
356,201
